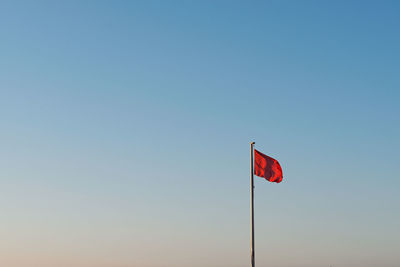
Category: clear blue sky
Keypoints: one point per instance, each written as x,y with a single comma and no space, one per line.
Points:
125,130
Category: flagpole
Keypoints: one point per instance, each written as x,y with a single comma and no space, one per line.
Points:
253,263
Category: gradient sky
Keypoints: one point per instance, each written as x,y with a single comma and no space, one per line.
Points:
125,130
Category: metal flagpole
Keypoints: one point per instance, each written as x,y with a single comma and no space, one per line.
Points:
253,263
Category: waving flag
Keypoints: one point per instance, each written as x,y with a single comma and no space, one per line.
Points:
267,167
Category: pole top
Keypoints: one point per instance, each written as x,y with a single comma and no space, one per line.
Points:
252,143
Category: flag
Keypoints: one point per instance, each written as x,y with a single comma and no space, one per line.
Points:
267,167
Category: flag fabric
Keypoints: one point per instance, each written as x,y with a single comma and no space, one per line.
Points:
267,167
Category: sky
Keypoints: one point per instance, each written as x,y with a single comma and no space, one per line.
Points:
125,129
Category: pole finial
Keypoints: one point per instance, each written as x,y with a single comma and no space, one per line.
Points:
252,143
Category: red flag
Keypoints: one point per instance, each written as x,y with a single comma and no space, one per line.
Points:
267,167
